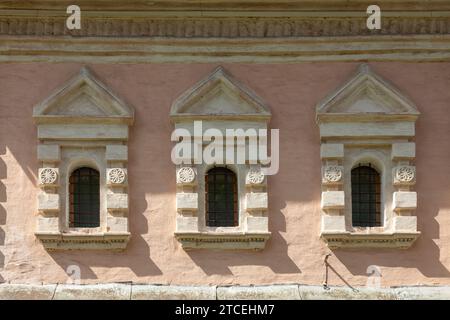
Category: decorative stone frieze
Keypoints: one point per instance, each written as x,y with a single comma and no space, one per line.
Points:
82,124
99,241
368,122
223,27
398,240
222,240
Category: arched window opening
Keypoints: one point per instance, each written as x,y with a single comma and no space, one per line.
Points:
84,198
221,198
366,197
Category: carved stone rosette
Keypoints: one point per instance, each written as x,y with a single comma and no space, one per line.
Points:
186,175
332,174
404,175
117,176
254,177
48,176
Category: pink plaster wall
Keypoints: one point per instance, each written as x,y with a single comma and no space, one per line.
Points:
295,253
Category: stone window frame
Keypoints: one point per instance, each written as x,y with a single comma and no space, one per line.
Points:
66,169
71,198
191,230
368,120
379,163
82,124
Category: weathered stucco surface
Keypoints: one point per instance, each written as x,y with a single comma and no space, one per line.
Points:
295,253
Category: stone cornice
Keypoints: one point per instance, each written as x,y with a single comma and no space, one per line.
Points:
138,32
229,5
103,241
224,241
396,240
213,50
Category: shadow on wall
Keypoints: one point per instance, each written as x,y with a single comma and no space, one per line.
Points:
136,257
275,255
433,199
290,184
3,198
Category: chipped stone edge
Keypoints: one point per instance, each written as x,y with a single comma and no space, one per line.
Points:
129,291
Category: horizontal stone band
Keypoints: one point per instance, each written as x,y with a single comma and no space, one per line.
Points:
116,291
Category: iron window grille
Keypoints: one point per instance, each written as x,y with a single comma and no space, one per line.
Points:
221,198
84,202
366,197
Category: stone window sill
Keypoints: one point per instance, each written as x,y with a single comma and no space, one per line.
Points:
398,240
223,241
79,241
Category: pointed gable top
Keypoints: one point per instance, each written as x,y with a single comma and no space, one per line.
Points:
219,96
83,99
366,97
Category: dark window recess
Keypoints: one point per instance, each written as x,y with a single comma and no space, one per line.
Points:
366,197
84,198
221,198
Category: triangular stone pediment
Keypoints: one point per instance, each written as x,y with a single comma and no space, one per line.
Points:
368,96
219,96
83,98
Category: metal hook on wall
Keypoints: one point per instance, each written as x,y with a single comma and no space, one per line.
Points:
325,280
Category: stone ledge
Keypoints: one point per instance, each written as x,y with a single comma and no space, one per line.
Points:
203,7
113,291
103,241
398,240
121,291
283,50
226,241
26,291
162,292
276,292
